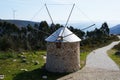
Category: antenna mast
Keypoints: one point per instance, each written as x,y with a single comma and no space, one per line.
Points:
14,11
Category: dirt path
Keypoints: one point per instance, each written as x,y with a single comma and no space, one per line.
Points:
98,67
99,59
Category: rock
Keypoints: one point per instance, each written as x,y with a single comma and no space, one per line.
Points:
37,62
14,60
44,77
22,53
22,56
2,76
44,57
23,69
24,60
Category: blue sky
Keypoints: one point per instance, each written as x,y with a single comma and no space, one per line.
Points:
85,10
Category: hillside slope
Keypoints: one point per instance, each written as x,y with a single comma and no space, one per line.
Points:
21,23
115,29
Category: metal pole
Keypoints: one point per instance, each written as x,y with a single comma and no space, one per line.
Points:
69,15
68,19
88,27
49,13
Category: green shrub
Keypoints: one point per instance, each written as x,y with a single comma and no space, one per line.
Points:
6,55
117,47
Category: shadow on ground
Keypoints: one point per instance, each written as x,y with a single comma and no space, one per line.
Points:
37,75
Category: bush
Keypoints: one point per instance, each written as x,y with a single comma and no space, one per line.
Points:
6,55
117,47
117,53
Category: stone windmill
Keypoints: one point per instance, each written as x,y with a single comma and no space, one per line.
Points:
63,50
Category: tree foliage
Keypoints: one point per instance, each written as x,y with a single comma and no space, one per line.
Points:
98,37
33,37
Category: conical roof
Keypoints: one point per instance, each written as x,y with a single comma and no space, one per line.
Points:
63,34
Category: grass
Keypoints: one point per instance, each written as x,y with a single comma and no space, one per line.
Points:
83,57
114,57
11,64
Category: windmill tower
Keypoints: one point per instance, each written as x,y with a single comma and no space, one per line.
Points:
63,50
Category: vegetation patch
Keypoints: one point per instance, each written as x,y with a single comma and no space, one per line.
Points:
28,66
114,57
83,57
112,54
25,66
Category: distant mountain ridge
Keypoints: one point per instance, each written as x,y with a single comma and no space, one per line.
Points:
115,29
21,23
79,25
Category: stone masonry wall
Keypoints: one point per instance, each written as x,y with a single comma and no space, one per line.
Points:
64,59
